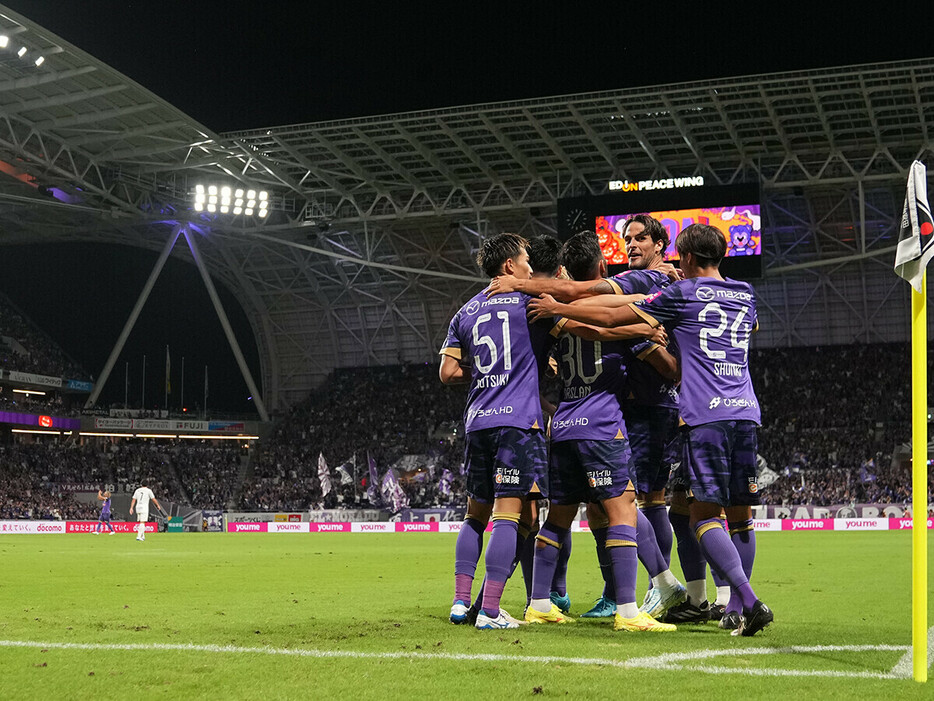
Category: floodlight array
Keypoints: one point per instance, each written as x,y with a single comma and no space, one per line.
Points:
236,201
21,52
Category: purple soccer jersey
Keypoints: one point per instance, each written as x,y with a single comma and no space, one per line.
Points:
592,373
506,354
644,386
711,321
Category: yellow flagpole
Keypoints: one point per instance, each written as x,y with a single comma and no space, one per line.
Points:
919,483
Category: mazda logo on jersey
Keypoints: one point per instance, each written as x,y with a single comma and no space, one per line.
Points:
704,294
472,308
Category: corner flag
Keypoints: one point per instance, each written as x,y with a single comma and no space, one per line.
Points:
915,240
915,250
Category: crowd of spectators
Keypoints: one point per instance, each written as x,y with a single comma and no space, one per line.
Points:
381,413
25,348
39,480
834,423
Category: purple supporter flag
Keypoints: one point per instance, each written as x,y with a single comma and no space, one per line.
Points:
372,489
393,492
444,484
324,475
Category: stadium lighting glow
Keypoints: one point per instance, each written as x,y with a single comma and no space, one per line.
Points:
40,60
21,52
36,431
155,435
27,392
227,199
4,41
105,435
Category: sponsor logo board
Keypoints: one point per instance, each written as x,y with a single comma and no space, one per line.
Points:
860,524
287,527
240,527
375,527
119,526
330,527
32,527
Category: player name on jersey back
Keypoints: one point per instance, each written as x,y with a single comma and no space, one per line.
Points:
711,321
505,355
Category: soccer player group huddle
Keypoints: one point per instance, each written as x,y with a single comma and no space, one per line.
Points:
655,395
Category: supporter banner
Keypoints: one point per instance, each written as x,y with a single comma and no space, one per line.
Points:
293,527
213,521
346,515
29,378
807,511
232,426
376,527
448,514
80,386
329,527
31,527
246,527
119,526
73,486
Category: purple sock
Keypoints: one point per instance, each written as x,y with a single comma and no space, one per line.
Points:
546,559
466,555
649,554
521,543
693,564
657,515
527,557
744,540
500,554
621,544
721,554
606,567
560,581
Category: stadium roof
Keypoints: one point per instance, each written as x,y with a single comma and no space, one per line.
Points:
369,246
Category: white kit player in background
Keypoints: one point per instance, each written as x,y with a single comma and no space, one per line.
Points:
141,498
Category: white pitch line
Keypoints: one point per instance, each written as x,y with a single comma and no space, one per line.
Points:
904,668
669,662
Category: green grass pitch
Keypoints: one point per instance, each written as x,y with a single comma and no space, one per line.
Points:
364,616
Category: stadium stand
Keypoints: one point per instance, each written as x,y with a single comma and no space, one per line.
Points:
25,348
823,452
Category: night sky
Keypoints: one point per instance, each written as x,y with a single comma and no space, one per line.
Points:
242,65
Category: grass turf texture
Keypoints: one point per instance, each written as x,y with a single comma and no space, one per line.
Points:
374,594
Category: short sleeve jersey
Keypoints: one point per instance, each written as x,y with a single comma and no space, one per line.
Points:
711,321
592,373
506,355
105,507
142,496
644,385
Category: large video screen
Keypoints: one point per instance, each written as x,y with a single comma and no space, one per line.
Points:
734,210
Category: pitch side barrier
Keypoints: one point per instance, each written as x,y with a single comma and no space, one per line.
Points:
818,524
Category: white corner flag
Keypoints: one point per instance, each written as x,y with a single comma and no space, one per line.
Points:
915,240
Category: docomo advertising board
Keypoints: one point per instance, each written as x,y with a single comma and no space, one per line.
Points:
31,527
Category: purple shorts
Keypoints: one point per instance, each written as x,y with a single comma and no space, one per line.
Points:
651,429
589,470
720,458
505,462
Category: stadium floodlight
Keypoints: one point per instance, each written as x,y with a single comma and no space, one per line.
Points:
227,199
21,52
40,61
4,41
